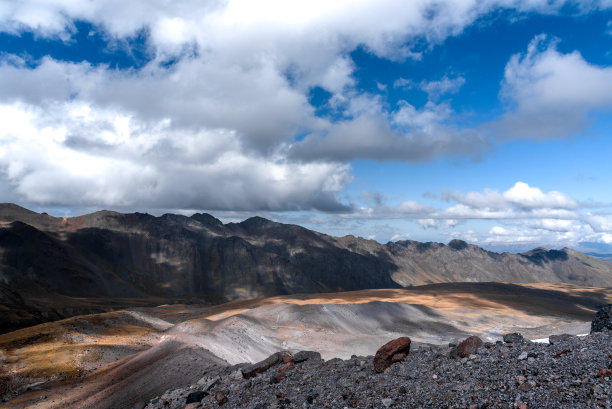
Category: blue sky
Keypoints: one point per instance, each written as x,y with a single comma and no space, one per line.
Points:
429,120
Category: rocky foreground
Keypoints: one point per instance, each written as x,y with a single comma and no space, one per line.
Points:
569,372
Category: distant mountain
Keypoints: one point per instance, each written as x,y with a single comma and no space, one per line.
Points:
111,255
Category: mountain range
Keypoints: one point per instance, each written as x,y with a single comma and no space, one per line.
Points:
54,267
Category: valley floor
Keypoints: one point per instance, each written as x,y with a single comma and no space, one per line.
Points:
117,359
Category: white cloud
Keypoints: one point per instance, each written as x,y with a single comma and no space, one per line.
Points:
217,129
526,196
498,231
550,93
407,134
428,223
400,236
72,154
403,83
520,196
446,85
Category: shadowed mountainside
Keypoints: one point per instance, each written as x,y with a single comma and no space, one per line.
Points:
109,255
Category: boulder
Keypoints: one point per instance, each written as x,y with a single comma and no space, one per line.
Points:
391,352
467,347
196,397
305,356
603,319
252,370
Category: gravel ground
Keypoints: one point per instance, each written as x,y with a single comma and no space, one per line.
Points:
571,372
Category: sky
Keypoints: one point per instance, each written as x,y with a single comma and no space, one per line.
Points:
484,120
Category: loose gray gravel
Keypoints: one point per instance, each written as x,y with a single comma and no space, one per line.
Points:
571,372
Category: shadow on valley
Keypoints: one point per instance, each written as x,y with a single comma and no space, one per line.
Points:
574,303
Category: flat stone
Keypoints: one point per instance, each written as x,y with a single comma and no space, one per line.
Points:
555,339
251,371
305,356
196,396
513,338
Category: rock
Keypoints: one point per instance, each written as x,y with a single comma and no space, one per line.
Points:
513,338
207,383
306,355
576,379
522,356
604,372
220,398
276,379
196,396
288,365
250,371
387,402
467,347
311,398
556,339
193,405
391,352
560,354
139,405
603,319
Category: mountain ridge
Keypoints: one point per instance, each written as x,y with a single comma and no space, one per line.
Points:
115,255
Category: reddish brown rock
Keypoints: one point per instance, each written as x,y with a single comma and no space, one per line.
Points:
398,357
391,352
560,354
604,372
467,347
220,398
250,371
286,366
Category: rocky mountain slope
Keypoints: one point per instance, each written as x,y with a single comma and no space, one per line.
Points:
570,372
110,255
117,359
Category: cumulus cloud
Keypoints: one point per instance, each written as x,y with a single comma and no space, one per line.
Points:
73,154
407,134
522,214
520,196
446,85
428,223
550,94
403,83
221,126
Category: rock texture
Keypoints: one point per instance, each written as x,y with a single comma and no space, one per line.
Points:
575,372
390,353
467,347
602,320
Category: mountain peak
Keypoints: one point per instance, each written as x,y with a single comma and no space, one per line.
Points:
457,244
207,220
256,222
